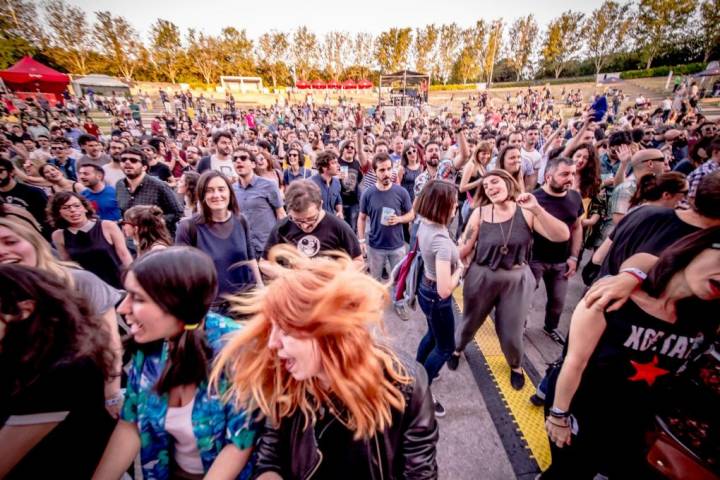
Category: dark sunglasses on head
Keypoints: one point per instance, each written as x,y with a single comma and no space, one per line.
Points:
130,159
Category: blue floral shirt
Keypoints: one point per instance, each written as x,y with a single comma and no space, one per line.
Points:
215,424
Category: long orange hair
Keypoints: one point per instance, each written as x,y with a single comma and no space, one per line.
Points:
328,300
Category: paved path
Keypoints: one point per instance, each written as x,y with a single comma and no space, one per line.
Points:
490,431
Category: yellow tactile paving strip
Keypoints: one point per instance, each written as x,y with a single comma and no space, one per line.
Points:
529,418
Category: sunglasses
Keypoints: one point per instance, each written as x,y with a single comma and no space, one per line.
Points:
130,159
242,158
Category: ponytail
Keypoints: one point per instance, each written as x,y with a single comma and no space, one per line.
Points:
188,361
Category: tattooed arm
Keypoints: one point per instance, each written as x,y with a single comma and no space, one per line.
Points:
470,236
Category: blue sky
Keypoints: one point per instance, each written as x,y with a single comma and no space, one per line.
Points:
322,15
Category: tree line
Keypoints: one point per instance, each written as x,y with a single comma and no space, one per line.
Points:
615,36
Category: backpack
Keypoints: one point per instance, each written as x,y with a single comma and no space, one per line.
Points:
406,277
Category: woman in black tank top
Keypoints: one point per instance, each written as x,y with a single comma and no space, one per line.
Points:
618,363
497,244
409,169
97,245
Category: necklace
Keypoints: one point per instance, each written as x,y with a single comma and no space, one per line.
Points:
503,248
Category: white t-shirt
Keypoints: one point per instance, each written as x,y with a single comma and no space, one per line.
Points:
531,161
225,167
178,423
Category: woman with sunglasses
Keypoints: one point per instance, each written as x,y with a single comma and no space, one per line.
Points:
221,231
181,429
618,363
295,170
409,169
97,245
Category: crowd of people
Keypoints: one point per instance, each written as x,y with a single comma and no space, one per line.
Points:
201,295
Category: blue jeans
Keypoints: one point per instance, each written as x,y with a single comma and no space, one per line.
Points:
350,213
439,342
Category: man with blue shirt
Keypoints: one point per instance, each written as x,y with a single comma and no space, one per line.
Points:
100,195
60,150
387,205
328,169
260,200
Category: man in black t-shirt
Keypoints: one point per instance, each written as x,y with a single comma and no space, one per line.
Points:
309,228
30,198
555,262
350,178
639,239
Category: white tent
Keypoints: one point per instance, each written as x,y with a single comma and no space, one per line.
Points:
100,84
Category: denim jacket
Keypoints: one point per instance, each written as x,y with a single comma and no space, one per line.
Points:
215,424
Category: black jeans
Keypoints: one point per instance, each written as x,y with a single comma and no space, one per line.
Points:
439,341
556,286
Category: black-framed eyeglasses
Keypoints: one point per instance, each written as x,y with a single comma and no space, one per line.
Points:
130,159
306,222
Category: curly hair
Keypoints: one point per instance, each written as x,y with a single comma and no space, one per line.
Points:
60,327
334,304
150,224
589,175
56,203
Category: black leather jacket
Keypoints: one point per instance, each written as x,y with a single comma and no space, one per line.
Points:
404,450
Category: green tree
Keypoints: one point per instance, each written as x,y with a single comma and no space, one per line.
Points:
710,24
391,48
69,35
119,41
660,22
167,48
448,50
521,43
272,50
234,50
493,49
363,55
303,51
468,65
335,53
204,50
606,31
20,32
563,41
425,46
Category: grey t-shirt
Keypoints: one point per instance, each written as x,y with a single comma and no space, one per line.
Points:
100,296
435,243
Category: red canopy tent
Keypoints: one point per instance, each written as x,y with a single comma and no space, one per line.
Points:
333,84
365,84
318,84
348,84
302,84
27,75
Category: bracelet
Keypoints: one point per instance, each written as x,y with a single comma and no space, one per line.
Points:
115,399
361,241
573,258
557,413
635,272
559,425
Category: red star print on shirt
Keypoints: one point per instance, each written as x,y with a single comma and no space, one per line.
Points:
647,371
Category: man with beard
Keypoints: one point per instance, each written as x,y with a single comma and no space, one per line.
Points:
330,188
388,206
100,195
556,262
93,150
644,162
30,198
139,188
221,161
113,170
350,178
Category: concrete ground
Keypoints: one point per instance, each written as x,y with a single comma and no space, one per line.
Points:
470,446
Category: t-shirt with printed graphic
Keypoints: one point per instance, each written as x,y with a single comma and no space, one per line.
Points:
331,233
350,182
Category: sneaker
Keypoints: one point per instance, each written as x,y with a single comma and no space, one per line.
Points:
453,361
517,380
401,312
439,409
555,334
